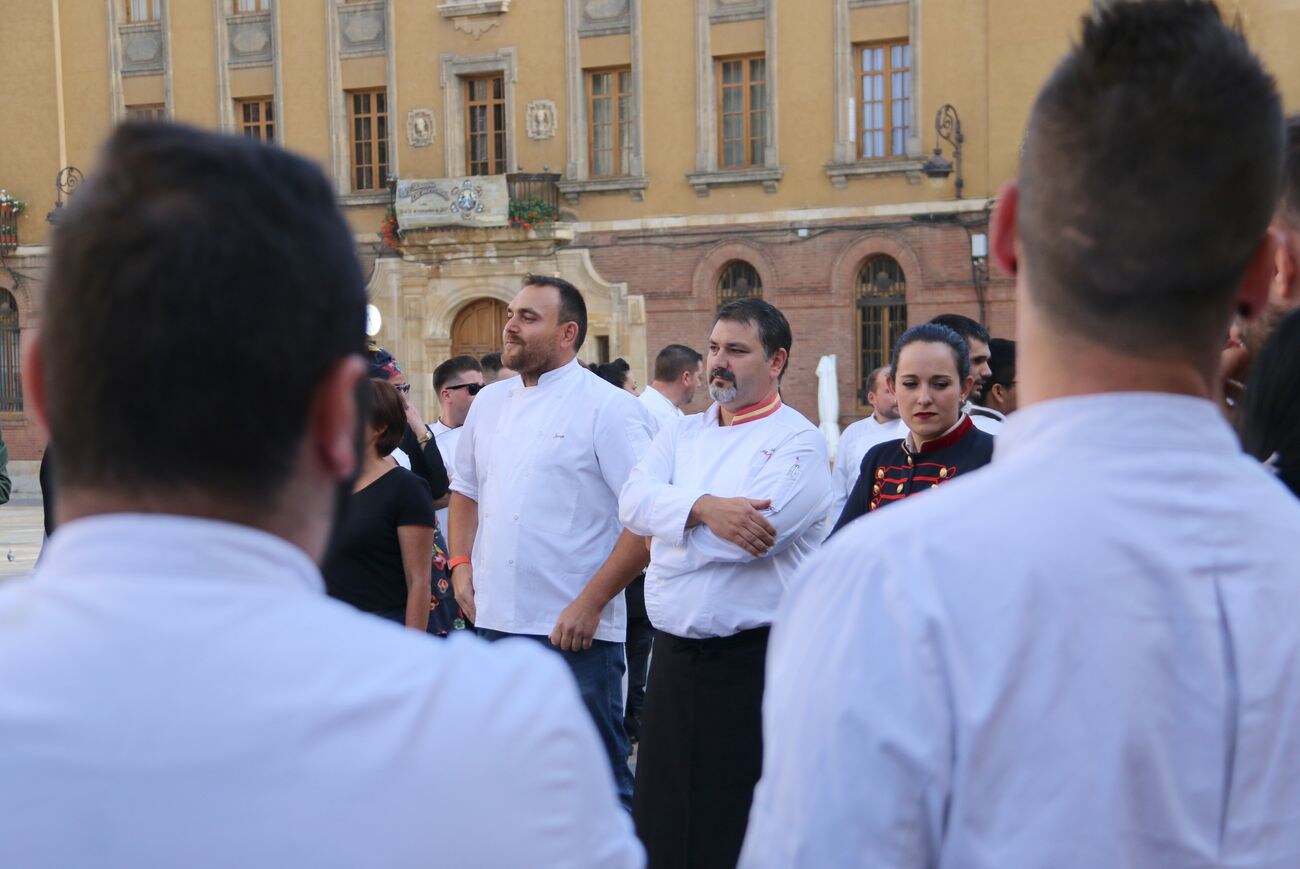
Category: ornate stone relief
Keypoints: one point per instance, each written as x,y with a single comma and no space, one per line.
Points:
362,29
604,16
419,128
541,119
737,10
142,48
475,27
250,41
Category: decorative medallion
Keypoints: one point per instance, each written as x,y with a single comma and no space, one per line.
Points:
419,128
467,200
541,119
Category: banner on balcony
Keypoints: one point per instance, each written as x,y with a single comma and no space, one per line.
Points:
477,200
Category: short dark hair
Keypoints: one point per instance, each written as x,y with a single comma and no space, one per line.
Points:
1002,362
490,362
450,368
201,288
773,328
612,372
675,360
1269,419
873,379
1290,202
573,307
934,333
387,415
963,326
1149,174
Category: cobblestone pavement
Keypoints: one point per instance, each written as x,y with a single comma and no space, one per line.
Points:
22,529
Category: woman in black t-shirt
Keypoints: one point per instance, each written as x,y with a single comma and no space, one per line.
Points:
379,557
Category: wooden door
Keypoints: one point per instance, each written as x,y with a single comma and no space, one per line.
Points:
477,328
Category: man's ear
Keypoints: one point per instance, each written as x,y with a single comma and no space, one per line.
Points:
33,377
779,359
1253,291
1002,232
968,387
333,426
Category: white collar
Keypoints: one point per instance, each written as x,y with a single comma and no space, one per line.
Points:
1150,421
175,549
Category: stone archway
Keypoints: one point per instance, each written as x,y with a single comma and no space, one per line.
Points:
477,327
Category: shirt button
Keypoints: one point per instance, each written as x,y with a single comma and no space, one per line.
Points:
511,562
900,488
943,472
516,517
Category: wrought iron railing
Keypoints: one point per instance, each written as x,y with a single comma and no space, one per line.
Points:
541,186
11,388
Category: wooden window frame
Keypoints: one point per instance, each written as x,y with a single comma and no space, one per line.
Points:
146,112
756,286
262,6
379,167
891,305
886,74
153,14
618,154
747,112
263,125
10,359
494,160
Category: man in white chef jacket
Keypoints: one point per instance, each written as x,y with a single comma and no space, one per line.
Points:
175,687
735,499
536,546
1118,687
673,385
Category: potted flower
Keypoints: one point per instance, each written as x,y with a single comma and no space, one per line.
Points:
532,212
10,208
389,231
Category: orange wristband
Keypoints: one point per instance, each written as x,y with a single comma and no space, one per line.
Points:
457,562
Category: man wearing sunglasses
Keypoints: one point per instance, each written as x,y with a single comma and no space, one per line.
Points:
455,382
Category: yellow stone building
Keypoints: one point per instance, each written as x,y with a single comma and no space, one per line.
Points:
693,150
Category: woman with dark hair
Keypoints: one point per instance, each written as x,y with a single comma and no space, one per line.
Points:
931,378
379,557
617,373
1269,419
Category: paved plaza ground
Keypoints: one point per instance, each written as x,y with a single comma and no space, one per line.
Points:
22,528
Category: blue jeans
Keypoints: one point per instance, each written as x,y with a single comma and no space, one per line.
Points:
599,672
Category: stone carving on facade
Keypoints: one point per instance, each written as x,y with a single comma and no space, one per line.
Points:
363,29
541,119
419,128
737,10
142,48
250,42
475,27
605,16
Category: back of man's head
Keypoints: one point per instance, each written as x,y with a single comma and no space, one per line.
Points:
963,326
452,367
202,287
675,360
1148,178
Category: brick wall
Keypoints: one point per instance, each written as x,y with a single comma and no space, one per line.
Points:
812,280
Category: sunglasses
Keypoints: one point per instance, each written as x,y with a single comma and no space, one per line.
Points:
471,388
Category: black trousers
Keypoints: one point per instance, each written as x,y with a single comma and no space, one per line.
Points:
640,639
701,749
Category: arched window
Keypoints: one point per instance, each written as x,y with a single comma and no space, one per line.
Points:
882,315
11,388
739,280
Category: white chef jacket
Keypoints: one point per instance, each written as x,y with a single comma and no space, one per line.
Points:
446,439
180,692
1118,687
699,585
545,465
662,411
856,440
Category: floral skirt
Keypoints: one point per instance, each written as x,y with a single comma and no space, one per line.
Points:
444,612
